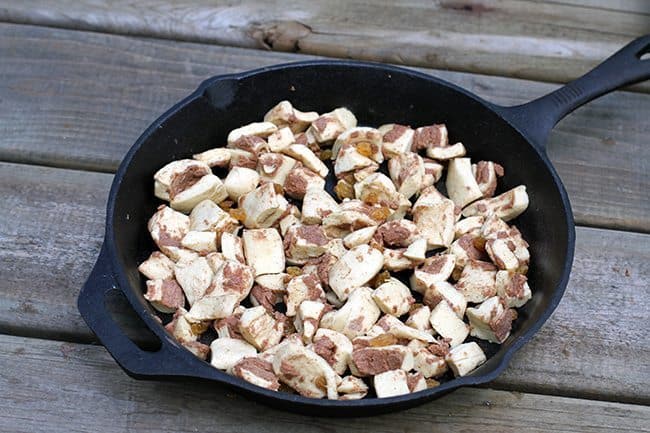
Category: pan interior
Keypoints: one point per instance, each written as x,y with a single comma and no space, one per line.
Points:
376,95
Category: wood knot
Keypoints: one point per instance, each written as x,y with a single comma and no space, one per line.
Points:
477,8
281,36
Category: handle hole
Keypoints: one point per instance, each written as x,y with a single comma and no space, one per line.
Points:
129,322
644,53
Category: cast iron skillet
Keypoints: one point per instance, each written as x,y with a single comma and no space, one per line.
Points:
377,94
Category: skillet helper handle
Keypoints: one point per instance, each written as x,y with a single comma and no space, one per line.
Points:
536,118
92,306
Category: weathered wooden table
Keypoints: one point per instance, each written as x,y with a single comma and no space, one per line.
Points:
81,80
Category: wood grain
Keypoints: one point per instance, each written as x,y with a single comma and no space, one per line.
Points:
78,99
548,41
82,389
593,346
637,6
51,229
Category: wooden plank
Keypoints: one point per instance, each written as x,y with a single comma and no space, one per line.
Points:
51,229
548,41
77,99
84,390
594,336
80,99
594,345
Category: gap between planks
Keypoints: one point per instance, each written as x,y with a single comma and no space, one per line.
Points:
594,345
634,6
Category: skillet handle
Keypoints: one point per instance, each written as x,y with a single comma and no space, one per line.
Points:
133,360
536,118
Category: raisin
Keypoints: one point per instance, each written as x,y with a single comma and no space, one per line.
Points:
383,340
238,214
364,148
380,213
294,271
379,279
344,190
432,383
326,154
278,188
371,197
226,204
198,328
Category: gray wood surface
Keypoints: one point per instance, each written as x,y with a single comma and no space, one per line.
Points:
550,41
73,99
593,346
79,99
64,387
51,229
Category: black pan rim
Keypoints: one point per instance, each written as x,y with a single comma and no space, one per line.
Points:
201,369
